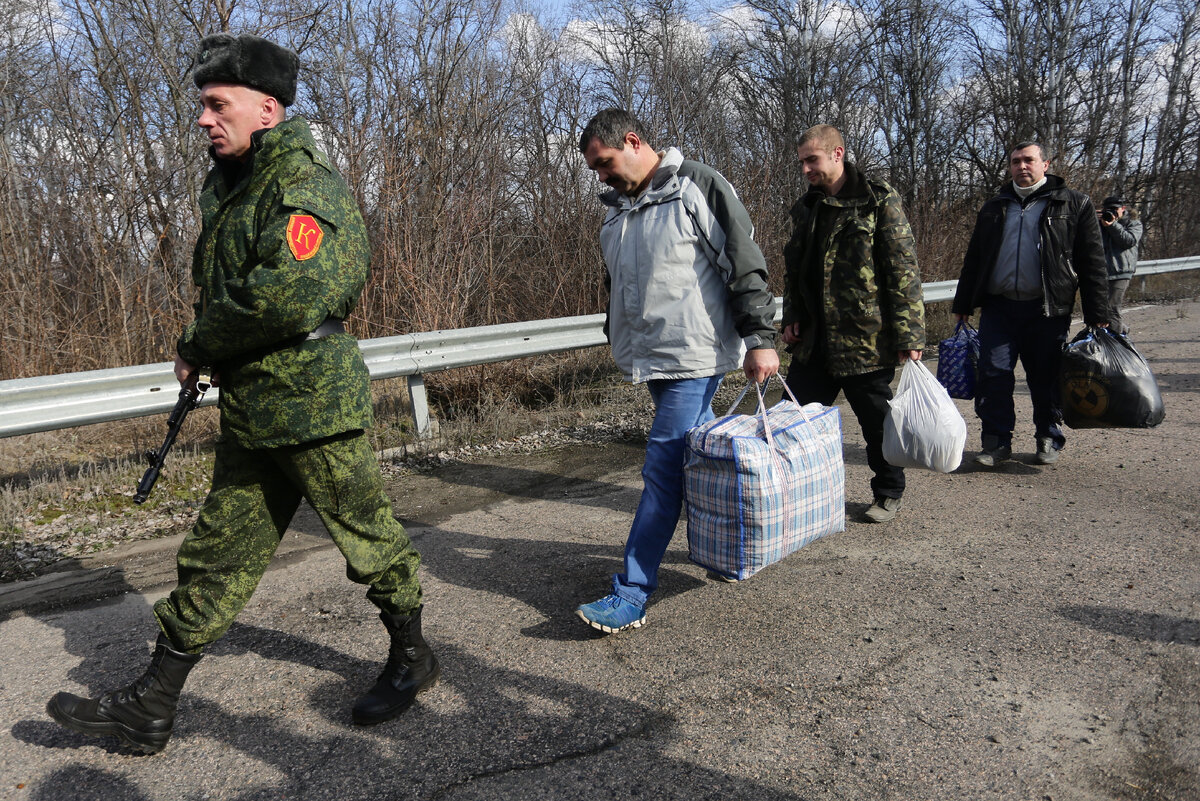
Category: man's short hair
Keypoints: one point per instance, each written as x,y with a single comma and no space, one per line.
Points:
826,137
610,127
1045,155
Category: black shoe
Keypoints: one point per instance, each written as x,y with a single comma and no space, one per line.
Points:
140,715
990,457
411,667
1046,452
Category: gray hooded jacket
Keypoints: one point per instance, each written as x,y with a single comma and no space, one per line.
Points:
1121,247
687,284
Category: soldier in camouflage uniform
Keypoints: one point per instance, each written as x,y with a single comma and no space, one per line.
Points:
852,307
280,263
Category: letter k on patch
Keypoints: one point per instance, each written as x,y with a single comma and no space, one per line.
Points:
304,236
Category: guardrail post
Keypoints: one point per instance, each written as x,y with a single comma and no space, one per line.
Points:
420,404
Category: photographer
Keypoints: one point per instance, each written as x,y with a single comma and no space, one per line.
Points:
1121,233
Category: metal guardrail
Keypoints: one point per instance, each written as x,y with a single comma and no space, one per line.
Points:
47,403
1157,266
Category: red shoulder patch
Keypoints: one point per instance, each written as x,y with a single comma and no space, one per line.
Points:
304,236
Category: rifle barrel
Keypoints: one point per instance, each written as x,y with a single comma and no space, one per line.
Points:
189,398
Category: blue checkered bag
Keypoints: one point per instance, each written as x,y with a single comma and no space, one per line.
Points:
958,358
761,486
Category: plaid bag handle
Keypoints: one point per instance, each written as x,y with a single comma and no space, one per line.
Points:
762,405
799,405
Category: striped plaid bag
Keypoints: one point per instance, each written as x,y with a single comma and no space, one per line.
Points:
761,486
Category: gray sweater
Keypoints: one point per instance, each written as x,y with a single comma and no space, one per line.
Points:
1018,271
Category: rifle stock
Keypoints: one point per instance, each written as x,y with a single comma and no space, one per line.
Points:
190,396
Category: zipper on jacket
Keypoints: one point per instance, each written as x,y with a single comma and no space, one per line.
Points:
1044,223
1021,241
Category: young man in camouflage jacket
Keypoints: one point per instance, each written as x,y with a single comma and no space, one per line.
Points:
281,260
852,307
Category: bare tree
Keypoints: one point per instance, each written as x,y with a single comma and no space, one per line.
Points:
912,80
455,122
799,64
1170,206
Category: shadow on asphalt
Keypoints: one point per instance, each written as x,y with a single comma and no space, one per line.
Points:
520,482
67,783
1139,625
1180,382
499,727
105,663
518,569
498,734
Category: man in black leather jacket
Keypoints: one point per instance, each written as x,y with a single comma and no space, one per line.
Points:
1035,243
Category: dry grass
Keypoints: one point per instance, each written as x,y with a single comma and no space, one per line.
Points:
69,493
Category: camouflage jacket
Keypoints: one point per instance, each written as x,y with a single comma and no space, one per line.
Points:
870,305
282,249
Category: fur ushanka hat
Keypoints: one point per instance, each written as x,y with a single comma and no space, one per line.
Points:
248,60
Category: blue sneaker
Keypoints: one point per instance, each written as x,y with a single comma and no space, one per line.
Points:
611,614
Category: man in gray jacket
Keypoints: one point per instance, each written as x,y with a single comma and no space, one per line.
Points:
1121,233
688,297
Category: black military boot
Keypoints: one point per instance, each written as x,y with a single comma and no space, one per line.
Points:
140,715
411,667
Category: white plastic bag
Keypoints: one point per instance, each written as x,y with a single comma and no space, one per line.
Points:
923,428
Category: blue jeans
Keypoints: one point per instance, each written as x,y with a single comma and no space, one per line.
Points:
1008,330
679,404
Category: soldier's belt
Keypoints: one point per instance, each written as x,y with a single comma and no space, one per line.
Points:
333,325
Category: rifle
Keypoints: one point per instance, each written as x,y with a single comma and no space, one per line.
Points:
190,396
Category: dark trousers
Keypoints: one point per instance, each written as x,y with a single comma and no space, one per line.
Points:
868,396
1116,296
1008,330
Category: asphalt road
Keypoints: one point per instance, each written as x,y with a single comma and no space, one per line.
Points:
1026,633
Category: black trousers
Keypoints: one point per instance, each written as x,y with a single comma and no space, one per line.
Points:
868,395
1010,330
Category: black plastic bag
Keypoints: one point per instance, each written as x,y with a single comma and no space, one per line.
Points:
1106,383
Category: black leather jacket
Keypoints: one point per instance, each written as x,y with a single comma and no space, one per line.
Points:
1072,253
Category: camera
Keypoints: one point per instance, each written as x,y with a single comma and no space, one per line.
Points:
1109,214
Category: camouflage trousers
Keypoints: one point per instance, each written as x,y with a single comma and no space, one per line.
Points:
254,495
